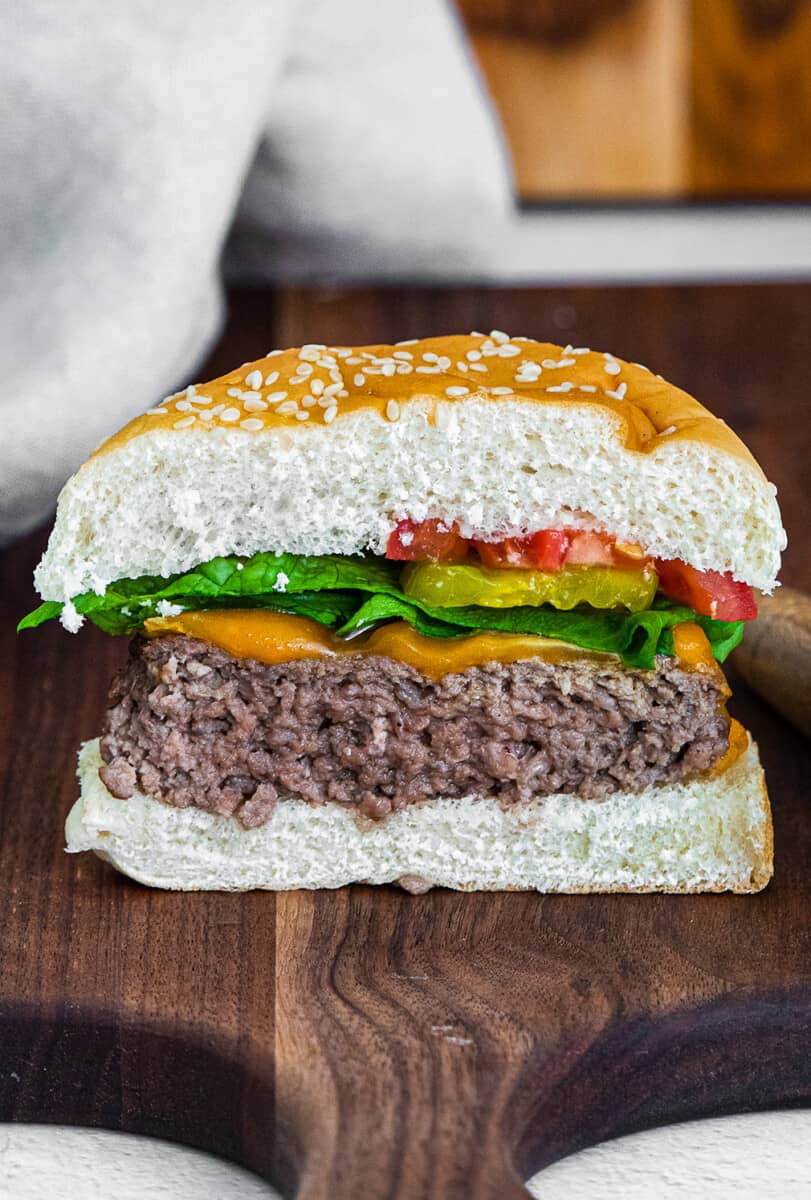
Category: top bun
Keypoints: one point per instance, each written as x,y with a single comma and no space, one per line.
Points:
323,449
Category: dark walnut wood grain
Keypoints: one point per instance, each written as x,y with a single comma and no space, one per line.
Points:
367,1043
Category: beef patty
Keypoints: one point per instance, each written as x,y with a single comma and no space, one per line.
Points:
191,725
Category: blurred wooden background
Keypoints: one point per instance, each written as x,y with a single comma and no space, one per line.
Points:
650,99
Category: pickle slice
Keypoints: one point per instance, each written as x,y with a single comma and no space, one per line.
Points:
448,585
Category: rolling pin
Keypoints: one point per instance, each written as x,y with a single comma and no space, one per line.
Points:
774,657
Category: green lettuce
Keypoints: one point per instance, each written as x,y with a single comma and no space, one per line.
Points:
353,594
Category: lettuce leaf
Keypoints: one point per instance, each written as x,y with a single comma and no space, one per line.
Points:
636,637
353,594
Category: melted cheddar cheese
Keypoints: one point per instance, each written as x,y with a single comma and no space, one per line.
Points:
274,638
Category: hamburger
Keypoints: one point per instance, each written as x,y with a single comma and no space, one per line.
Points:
448,612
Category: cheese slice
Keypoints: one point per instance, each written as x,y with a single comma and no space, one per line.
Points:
271,637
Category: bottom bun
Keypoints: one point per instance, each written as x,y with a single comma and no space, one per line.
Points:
710,835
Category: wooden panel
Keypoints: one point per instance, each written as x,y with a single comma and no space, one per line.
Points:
369,1043
750,129
629,99
601,114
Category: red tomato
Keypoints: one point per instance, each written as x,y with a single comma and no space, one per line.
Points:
708,592
542,551
550,548
590,548
511,552
426,541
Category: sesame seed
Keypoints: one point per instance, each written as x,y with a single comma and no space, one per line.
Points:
501,391
184,424
331,413
561,387
311,351
409,342
359,380
230,414
443,363
508,351
252,424
308,401
305,368
288,408
578,350
273,353
457,391
641,366
392,410
463,366
473,355
275,397
478,366
550,363
254,380
566,362
354,360
587,387
429,356
670,429
621,390
528,372
498,337
190,390
404,354
250,396
332,388
428,370
612,367
389,368
316,387
302,416
233,391
342,394
404,368
255,405
207,415
183,406
270,379
157,412
202,399
294,380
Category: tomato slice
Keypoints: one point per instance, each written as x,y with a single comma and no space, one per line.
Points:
543,551
426,541
589,548
550,548
710,593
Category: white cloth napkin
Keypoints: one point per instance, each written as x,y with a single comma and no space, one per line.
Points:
134,136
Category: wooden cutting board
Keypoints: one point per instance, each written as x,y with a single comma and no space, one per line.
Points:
367,1043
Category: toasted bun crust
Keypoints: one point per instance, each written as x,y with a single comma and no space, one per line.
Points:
322,449
710,835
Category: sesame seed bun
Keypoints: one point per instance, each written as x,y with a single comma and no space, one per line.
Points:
323,449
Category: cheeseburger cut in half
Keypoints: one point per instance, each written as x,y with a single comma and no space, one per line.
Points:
446,612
